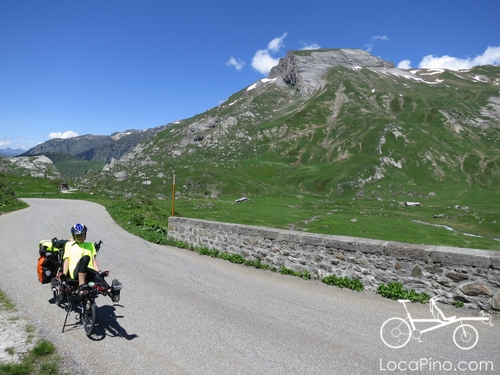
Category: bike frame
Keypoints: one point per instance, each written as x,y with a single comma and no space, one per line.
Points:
90,296
396,332
441,323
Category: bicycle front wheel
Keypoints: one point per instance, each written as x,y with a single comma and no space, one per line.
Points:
465,336
58,296
395,333
89,316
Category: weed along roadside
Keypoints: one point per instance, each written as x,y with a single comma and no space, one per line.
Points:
21,352
462,277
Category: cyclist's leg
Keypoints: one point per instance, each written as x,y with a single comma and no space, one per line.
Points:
81,269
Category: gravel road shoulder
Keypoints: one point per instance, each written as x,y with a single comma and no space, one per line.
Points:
17,335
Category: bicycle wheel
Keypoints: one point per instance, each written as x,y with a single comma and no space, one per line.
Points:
465,336
58,296
395,333
88,315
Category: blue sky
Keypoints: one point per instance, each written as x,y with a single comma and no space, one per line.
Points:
75,67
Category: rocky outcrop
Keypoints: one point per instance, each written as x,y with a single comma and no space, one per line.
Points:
303,69
34,166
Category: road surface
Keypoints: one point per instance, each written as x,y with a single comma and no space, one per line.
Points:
182,313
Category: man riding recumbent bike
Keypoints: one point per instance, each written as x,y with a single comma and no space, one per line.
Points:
76,279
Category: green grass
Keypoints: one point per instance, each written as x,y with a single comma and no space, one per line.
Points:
73,168
26,186
41,360
8,199
304,170
5,302
380,214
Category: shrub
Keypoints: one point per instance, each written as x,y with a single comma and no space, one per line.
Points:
344,282
305,274
395,291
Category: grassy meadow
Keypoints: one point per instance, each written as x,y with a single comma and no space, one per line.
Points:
342,161
469,221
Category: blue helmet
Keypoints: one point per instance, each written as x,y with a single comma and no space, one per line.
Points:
78,228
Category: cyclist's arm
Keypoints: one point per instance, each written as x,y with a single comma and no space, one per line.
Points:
65,266
95,264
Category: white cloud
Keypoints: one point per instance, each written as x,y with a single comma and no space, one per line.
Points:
490,57
372,41
14,142
405,64
311,45
236,63
277,43
66,134
262,60
4,144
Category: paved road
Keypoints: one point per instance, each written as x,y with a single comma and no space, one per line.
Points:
182,313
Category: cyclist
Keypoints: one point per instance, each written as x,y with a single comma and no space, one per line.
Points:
79,262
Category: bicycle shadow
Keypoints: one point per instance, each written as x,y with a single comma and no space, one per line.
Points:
108,324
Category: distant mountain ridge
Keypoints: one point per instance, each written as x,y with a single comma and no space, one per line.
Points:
9,152
330,122
102,148
327,122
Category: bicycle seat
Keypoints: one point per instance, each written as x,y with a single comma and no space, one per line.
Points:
403,300
438,314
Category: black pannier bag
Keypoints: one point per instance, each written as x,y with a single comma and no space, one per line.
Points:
51,253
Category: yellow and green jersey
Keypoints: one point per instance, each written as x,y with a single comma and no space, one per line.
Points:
75,251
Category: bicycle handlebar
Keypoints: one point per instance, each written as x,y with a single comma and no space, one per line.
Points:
98,245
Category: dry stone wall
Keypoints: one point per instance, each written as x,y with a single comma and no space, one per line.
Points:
455,274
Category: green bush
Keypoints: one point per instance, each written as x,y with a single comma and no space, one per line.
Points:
305,274
344,282
395,291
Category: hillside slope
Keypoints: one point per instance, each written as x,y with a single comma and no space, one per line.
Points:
329,123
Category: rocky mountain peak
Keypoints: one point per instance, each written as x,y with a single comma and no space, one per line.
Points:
303,69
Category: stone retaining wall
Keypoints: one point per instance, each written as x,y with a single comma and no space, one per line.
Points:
467,275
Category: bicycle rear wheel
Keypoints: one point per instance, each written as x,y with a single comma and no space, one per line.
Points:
89,315
395,333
